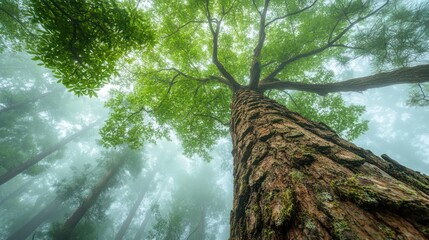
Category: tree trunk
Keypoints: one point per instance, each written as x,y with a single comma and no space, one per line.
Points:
143,225
296,179
39,157
147,218
68,227
124,227
200,228
27,101
46,213
17,192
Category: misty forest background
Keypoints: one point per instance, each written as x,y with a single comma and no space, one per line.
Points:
154,193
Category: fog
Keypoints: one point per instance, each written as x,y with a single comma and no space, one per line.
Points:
153,193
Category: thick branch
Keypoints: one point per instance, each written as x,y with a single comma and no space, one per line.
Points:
255,69
215,32
417,74
331,43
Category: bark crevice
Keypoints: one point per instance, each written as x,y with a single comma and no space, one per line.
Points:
297,179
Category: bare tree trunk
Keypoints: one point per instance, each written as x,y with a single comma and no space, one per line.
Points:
68,227
39,157
46,213
125,225
296,179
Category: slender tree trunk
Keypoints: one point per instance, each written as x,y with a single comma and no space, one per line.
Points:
27,101
143,225
68,227
17,192
39,157
296,179
199,231
125,225
147,218
46,213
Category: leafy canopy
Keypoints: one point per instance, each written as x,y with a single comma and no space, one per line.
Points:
80,41
206,48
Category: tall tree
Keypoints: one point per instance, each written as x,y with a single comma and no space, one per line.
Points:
211,51
119,159
133,210
39,157
51,209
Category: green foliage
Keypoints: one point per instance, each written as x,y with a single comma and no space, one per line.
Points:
177,87
15,29
81,41
397,38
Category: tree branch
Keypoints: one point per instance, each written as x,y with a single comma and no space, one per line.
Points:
226,124
214,78
291,14
17,21
256,7
180,27
330,43
234,85
417,74
255,69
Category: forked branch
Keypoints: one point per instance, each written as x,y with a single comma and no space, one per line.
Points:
232,83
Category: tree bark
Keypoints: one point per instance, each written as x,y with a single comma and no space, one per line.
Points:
297,179
406,75
68,227
126,223
49,211
39,157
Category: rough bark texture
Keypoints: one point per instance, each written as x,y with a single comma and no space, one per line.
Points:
68,227
296,179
